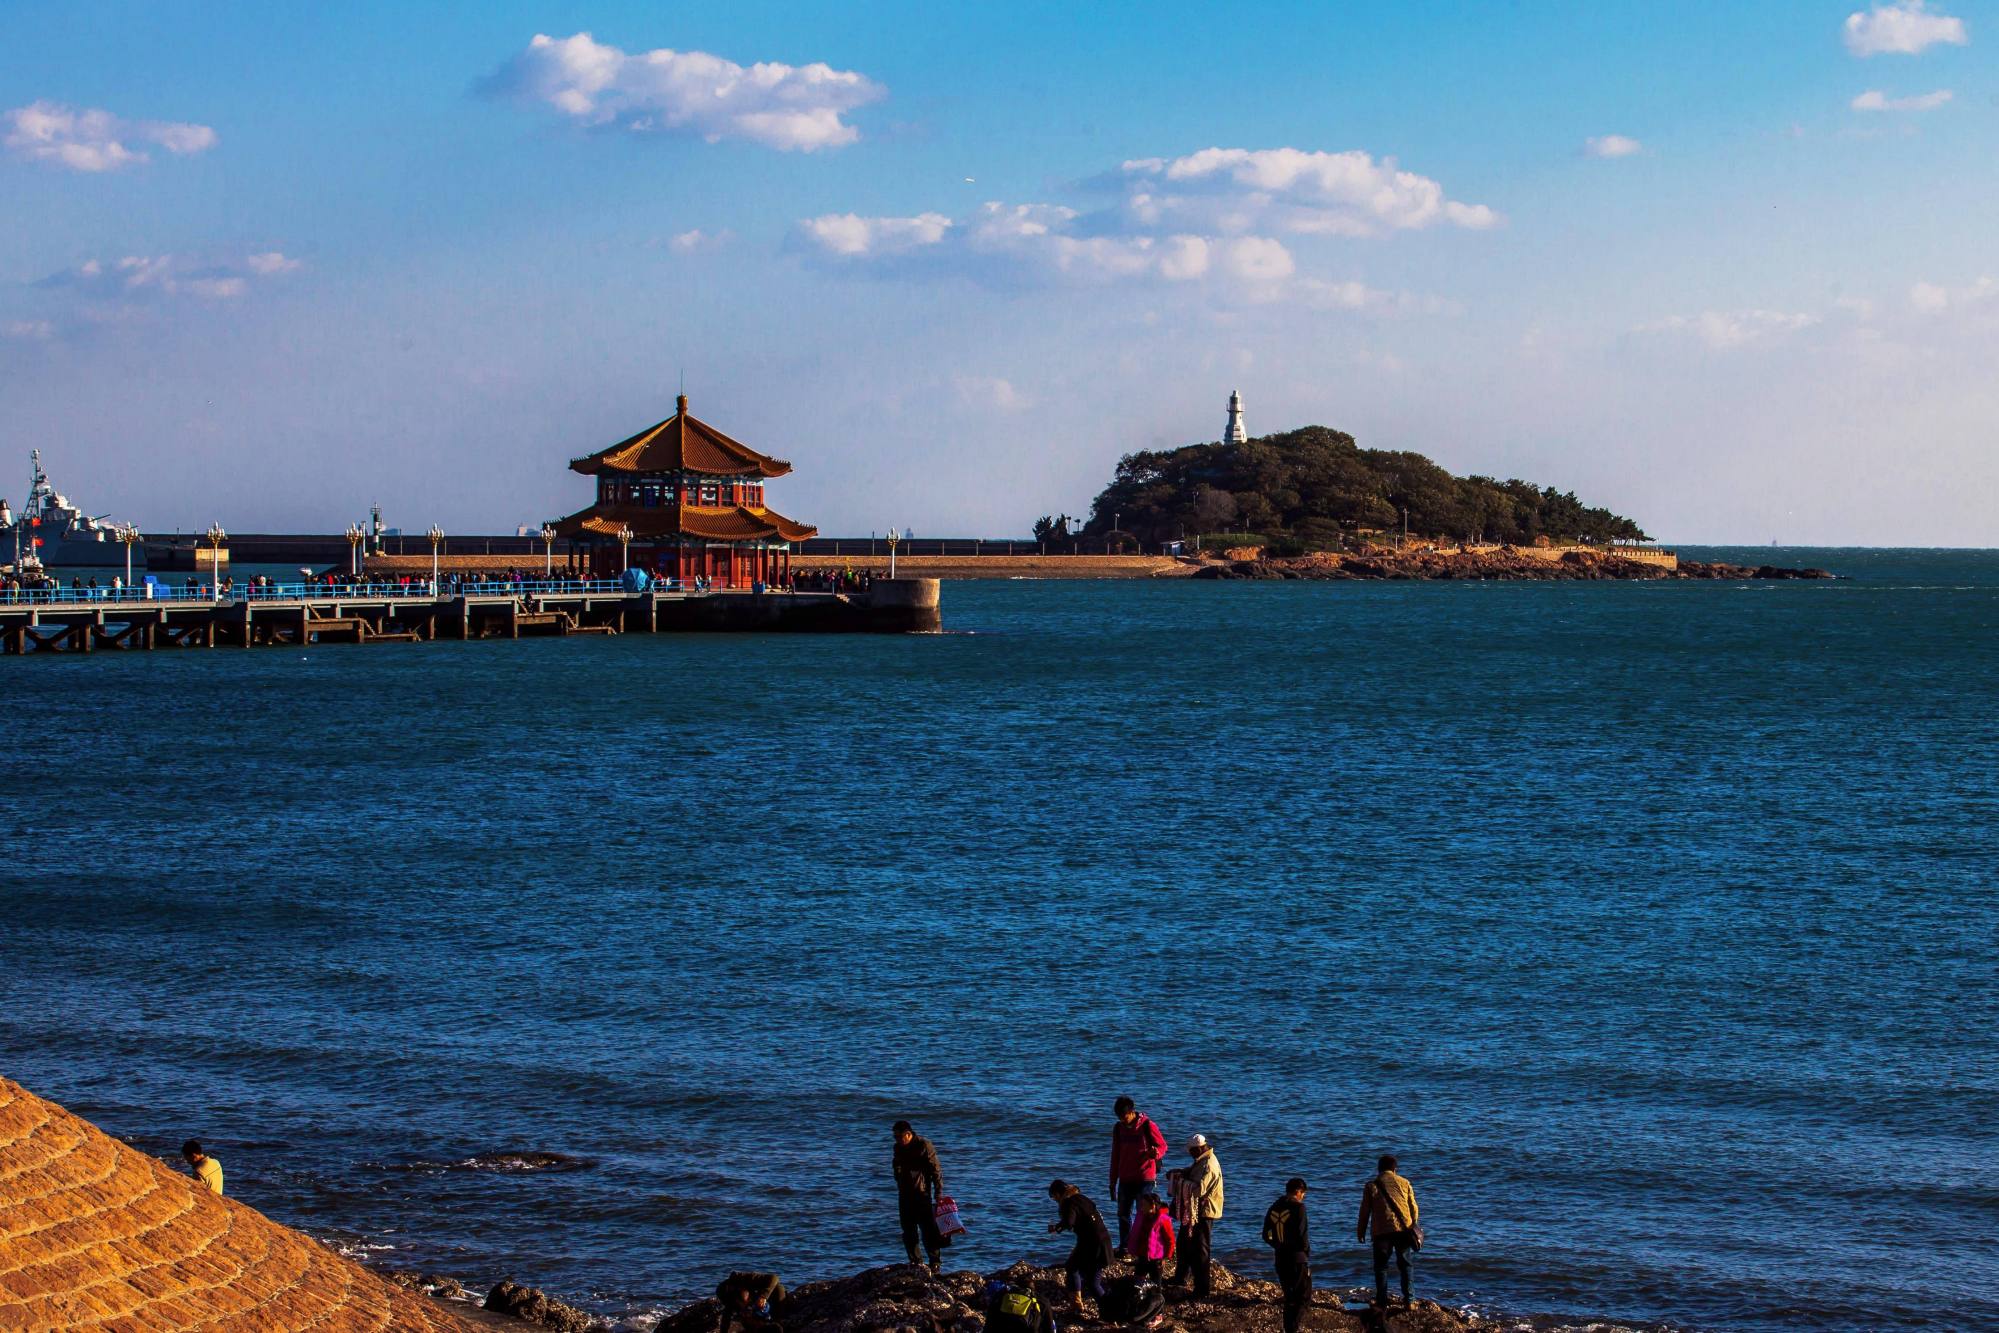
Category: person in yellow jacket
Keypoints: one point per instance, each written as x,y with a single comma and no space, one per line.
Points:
206,1169
1388,1208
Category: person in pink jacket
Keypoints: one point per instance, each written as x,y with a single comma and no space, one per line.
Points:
1150,1239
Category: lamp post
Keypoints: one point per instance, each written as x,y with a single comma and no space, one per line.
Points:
436,535
216,536
893,538
129,535
547,552
354,539
624,548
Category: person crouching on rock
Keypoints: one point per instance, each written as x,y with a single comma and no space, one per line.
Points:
1150,1243
1092,1251
918,1183
755,1301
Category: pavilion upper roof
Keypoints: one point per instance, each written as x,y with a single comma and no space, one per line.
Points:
682,443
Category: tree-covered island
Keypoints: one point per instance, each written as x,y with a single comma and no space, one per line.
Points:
1314,489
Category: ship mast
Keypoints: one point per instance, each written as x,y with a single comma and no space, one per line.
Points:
38,485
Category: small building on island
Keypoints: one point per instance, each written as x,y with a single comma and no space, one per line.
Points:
681,500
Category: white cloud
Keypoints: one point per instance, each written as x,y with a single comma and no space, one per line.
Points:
94,140
1257,259
1905,28
990,393
1876,100
1725,329
1216,219
851,236
1233,190
1612,145
271,263
32,330
1931,298
1028,245
687,92
217,287
103,288
695,240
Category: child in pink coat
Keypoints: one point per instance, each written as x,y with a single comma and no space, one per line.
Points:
1151,1238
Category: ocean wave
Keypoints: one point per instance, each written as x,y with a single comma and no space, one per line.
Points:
514,1162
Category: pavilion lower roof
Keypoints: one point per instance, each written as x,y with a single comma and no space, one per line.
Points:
681,443
717,523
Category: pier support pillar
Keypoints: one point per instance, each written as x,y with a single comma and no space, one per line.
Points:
910,605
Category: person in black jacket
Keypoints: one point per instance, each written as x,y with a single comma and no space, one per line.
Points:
1284,1231
918,1184
1092,1252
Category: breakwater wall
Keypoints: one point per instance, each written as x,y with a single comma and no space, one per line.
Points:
66,622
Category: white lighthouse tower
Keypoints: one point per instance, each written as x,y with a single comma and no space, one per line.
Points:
1235,434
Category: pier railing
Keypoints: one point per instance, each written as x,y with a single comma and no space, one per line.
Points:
165,594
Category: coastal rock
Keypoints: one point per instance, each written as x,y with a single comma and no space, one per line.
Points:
524,1161
1507,563
102,1235
908,1298
444,1288
537,1307
1714,569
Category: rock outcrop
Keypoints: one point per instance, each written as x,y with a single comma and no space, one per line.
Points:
536,1306
910,1299
95,1234
1504,563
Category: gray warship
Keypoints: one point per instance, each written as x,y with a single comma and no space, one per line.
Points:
52,531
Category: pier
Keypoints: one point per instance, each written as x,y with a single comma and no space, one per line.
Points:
296,615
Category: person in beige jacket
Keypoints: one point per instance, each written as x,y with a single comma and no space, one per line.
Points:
1203,1180
1388,1208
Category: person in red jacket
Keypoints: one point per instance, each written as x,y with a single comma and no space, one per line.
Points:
1137,1147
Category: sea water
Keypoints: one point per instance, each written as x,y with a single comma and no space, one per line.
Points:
1651,924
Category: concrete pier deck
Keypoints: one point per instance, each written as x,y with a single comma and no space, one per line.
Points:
62,620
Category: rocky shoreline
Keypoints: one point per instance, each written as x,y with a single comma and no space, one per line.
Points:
1505,563
908,1298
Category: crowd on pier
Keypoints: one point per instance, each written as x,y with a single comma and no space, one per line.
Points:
15,586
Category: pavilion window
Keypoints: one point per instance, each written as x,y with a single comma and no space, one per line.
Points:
708,495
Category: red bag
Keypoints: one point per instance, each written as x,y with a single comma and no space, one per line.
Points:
948,1224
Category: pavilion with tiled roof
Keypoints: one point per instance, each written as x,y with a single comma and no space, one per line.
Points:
691,500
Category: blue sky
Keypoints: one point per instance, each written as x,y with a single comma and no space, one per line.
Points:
1727,268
